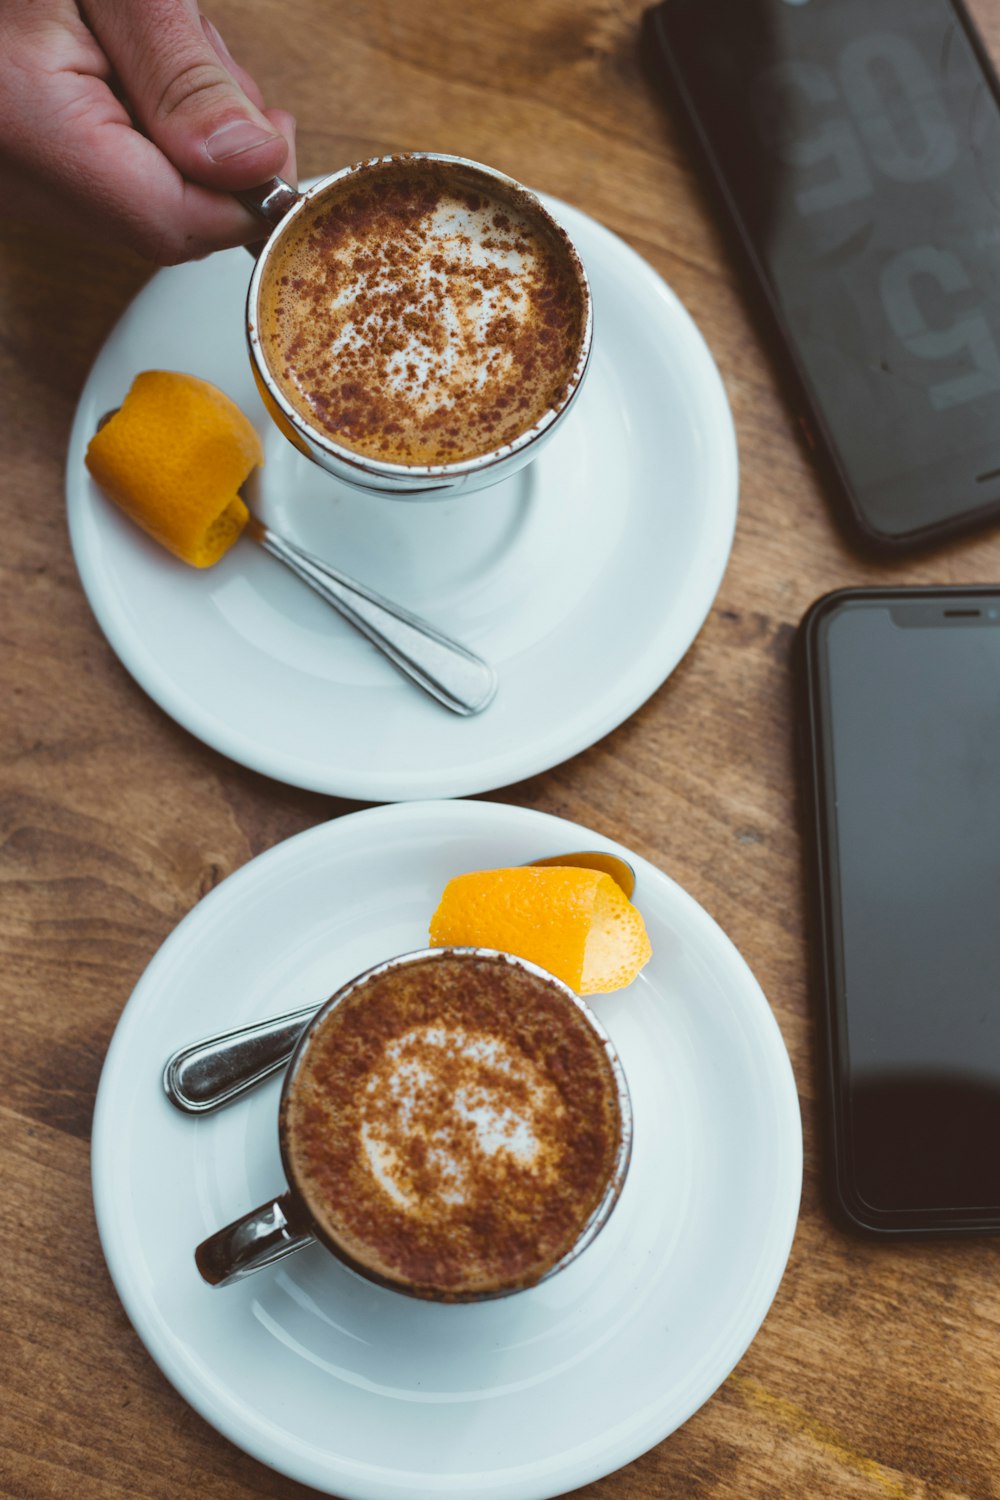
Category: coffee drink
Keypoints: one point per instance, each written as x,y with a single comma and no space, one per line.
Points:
454,1124
423,312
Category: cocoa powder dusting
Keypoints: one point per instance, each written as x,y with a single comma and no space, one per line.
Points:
454,1124
417,321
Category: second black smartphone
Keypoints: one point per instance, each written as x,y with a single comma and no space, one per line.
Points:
857,147
900,724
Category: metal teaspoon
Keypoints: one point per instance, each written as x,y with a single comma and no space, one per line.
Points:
208,1074
451,673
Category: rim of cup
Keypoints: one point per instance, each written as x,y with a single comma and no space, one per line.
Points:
616,1181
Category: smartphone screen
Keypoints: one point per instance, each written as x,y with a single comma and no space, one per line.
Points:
857,143
903,721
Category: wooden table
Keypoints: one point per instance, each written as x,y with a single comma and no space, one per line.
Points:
876,1372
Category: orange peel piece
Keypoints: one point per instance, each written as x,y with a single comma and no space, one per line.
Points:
173,457
578,924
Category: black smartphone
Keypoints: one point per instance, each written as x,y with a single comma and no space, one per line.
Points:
900,754
857,147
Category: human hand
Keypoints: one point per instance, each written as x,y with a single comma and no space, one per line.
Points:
129,120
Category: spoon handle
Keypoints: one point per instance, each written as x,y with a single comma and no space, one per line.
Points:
219,1069
454,676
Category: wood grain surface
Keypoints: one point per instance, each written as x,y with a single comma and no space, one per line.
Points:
877,1371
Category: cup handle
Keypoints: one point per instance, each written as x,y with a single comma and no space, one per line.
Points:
261,1237
271,200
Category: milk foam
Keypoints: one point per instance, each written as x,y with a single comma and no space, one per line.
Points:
465,241
406,1088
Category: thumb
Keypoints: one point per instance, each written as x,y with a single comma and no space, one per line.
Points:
182,94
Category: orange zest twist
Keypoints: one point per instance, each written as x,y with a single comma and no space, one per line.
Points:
173,457
578,924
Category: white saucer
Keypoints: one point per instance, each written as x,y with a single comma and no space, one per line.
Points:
367,1394
583,579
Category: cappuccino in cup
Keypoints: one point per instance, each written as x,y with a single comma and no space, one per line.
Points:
454,1125
420,313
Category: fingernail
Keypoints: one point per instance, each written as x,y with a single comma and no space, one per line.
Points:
235,138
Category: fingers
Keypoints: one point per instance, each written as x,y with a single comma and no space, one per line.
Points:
71,157
188,95
107,180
